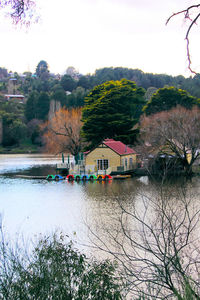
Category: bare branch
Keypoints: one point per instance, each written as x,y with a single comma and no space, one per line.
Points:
63,132
187,15
156,245
21,11
173,133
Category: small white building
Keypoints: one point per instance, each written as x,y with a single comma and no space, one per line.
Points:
18,98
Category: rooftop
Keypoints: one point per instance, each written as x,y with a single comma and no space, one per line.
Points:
13,96
118,147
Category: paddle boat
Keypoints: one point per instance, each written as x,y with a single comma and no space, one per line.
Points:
70,177
107,177
58,177
100,177
84,177
77,177
92,177
50,177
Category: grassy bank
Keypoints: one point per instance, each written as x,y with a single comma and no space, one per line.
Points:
24,147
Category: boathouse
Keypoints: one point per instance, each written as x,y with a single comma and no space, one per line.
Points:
110,156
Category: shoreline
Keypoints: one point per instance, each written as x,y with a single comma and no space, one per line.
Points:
20,151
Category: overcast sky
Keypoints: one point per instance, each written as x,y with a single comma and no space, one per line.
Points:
91,34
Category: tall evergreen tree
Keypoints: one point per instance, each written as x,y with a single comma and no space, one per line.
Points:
167,98
43,106
68,83
58,94
111,110
42,70
31,106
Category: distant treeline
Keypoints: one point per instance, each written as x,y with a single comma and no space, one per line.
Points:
145,80
73,79
21,121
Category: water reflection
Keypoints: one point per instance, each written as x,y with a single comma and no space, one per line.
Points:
27,163
37,206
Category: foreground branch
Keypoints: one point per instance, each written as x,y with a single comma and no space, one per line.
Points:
156,245
193,20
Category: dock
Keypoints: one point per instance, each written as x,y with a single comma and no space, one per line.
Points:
115,177
30,177
63,168
121,177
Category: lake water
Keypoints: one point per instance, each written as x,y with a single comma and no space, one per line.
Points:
30,207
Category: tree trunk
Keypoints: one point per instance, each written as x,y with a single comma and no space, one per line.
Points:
187,168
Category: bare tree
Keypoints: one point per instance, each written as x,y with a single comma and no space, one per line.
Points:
21,11
191,14
63,132
174,132
156,245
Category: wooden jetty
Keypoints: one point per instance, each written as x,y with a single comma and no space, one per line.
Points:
115,177
63,168
121,177
30,177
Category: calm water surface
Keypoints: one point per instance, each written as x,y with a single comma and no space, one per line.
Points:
31,207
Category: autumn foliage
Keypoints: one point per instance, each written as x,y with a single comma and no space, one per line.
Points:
62,132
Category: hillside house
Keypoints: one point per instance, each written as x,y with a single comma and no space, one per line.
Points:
110,156
16,98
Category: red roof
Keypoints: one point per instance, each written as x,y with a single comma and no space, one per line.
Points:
118,147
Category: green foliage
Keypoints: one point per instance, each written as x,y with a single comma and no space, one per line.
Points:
3,73
80,86
76,98
55,270
14,130
86,82
191,85
2,86
37,106
68,83
14,127
42,70
167,98
27,83
43,103
145,80
14,108
111,110
31,106
34,131
58,94
41,85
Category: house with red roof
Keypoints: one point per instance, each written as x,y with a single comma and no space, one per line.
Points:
110,156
